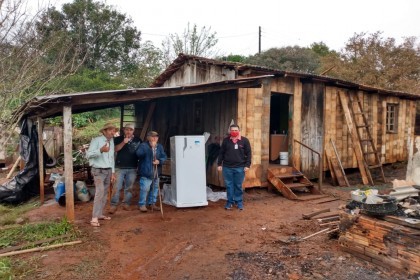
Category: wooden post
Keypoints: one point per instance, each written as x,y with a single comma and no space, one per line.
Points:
40,159
68,162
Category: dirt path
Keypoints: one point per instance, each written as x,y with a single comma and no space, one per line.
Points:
204,243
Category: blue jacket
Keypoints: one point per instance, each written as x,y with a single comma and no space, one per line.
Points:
145,154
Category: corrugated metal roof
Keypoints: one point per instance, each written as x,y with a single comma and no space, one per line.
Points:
51,105
182,58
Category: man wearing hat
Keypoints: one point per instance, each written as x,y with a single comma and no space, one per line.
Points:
101,160
151,157
125,167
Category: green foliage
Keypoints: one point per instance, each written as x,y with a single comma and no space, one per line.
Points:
321,49
372,60
85,135
5,268
234,58
14,268
86,119
288,58
90,80
107,39
34,232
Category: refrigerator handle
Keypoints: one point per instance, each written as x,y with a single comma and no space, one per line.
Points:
185,146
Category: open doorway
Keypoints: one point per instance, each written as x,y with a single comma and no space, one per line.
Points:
279,126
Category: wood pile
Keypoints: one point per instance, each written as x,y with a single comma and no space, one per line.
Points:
381,242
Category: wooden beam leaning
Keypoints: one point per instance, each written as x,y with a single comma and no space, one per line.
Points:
147,121
68,161
355,141
40,127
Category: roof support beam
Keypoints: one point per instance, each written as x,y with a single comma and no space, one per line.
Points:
68,161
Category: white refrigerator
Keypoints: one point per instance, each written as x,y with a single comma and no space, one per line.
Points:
188,171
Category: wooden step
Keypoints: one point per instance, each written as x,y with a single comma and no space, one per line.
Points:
298,185
363,125
287,176
374,166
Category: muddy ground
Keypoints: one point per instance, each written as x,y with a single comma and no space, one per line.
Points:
208,242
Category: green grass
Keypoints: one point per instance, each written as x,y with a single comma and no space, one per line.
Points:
34,232
9,214
18,268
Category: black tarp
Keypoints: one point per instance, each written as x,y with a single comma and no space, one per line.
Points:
26,183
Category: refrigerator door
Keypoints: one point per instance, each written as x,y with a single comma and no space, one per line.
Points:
188,171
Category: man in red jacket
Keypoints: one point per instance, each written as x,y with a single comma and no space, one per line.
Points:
234,160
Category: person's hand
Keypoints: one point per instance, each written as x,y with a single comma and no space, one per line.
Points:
105,148
127,139
156,162
113,178
219,168
246,169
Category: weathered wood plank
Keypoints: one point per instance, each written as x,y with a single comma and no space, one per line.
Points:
68,161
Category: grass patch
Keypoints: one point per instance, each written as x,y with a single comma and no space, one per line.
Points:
18,268
35,232
9,214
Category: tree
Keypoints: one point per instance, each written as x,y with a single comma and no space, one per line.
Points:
288,58
372,60
149,66
321,49
191,42
105,37
25,67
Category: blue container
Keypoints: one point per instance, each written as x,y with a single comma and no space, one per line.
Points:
61,188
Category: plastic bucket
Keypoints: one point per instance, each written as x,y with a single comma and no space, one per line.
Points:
284,158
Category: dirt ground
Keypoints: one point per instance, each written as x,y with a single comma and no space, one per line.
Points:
208,242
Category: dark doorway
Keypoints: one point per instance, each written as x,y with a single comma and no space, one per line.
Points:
279,125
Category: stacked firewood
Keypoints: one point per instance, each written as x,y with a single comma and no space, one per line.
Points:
381,242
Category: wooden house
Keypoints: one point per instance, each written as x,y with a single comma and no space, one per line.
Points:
297,114
291,112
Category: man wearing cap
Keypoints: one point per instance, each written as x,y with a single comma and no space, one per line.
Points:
101,160
125,167
151,157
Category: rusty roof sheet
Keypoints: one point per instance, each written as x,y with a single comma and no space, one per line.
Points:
182,58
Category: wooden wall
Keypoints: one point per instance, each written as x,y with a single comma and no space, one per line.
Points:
182,116
196,73
312,130
392,146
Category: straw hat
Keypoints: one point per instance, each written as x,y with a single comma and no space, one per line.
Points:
108,126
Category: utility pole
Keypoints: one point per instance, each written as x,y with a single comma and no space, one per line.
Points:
259,39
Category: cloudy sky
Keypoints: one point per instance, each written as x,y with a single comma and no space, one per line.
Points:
283,23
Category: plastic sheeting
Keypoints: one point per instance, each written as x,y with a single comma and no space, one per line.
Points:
26,183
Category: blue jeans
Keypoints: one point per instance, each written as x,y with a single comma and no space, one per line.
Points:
234,177
126,177
146,192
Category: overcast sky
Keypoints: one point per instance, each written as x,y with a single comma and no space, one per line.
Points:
283,23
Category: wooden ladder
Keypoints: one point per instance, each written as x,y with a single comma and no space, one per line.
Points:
292,183
363,136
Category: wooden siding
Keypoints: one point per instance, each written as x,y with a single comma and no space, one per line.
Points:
392,146
312,130
196,73
176,116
